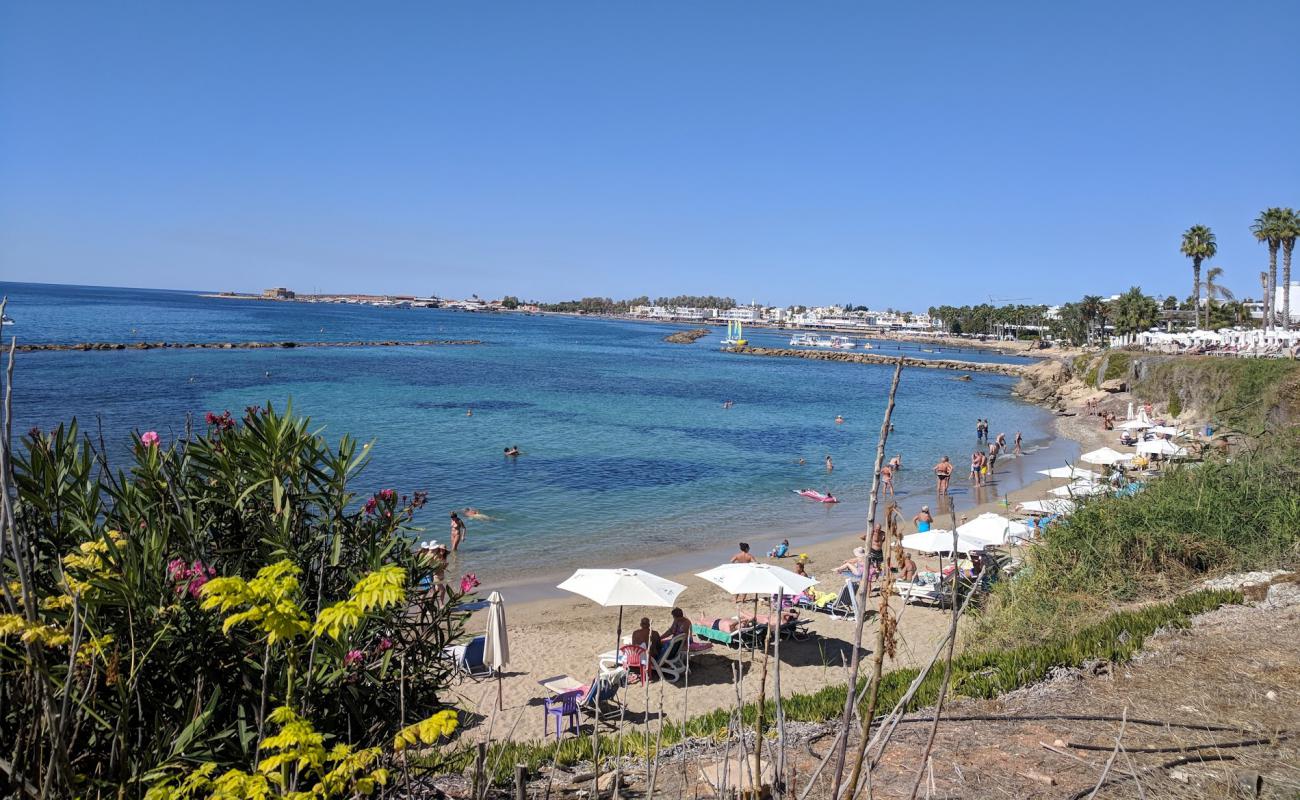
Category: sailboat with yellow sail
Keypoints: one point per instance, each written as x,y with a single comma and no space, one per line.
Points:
735,335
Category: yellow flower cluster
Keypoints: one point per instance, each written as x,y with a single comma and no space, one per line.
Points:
428,731
269,600
341,772
382,588
32,632
91,560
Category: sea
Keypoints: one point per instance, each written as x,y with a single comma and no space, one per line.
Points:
628,451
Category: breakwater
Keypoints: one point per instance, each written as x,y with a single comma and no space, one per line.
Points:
687,337
878,358
89,346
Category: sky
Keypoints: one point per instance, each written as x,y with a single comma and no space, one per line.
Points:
889,154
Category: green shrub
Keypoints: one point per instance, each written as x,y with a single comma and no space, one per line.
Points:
1219,515
1175,404
120,568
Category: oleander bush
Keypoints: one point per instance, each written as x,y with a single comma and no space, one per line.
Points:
227,599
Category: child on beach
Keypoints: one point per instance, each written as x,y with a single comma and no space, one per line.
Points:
780,550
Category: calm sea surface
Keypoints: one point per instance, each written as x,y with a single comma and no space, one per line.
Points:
628,451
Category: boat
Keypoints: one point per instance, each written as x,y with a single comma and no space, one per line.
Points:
8,320
813,494
735,334
803,340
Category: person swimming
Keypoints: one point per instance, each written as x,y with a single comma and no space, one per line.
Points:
512,450
839,420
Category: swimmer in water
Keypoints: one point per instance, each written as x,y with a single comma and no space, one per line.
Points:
512,450
839,420
475,514
469,412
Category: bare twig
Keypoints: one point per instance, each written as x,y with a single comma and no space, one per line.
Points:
1110,762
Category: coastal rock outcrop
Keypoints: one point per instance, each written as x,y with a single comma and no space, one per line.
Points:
687,337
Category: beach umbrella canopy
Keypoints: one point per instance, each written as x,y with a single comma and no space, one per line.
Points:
1161,447
1047,506
939,541
497,652
623,587
1078,489
1074,473
1165,430
757,579
993,529
1134,425
1105,457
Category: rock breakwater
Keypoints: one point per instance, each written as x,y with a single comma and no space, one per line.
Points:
877,358
98,346
687,337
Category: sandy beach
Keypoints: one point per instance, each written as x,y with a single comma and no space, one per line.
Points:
559,636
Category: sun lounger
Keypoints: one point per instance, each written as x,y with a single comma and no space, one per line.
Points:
743,637
927,588
595,696
671,664
469,657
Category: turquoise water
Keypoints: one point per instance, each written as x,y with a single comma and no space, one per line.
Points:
627,449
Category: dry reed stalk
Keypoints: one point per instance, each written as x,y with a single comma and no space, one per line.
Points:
864,587
947,666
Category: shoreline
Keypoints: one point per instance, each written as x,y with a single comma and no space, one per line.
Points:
553,633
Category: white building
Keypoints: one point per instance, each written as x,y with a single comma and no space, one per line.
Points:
741,314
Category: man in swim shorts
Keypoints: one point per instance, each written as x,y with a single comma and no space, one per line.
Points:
942,474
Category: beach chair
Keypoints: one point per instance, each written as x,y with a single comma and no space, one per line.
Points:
562,707
671,663
594,697
468,657
744,636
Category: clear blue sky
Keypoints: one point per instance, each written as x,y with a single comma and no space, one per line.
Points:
892,154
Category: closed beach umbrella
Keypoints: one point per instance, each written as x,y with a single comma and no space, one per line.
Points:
939,541
497,652
993,529
1105,457
1074,473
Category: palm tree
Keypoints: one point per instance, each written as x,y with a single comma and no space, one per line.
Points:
1198,244
1288,227
1268,228
1263,283
1090,308
1214,290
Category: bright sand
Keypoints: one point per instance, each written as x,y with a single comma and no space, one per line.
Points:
564,636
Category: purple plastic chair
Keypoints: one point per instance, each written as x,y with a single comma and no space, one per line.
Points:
563,707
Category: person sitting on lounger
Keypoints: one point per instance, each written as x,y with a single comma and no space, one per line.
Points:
856,566
780,550
647,638
679,626
909,568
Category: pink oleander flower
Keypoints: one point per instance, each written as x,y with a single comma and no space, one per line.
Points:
176,570
371,505
353,658
468,583
149,439
387,494
385,644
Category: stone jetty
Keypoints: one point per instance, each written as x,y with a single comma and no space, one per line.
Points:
687,337
88,346
879,358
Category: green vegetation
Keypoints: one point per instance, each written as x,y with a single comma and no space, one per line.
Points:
1250,395
607,305
980,673
1198,245
1218,516
1117,364
987,318
223,601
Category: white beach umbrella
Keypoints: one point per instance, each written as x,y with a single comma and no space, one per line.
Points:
1078,489
1047,507
623,587
1134,425
1161,447
940,541
1075,473
496,654
1105,456
1166,430
757,579
993,529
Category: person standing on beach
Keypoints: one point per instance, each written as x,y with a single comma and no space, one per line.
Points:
830,465
975,463
943,472
457,531
923,520
992,457
887,480
1017,442
743,557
